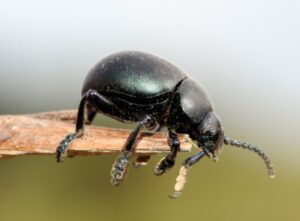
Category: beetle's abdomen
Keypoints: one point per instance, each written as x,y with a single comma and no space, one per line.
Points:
133,74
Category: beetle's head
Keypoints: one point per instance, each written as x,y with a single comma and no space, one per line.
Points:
209,134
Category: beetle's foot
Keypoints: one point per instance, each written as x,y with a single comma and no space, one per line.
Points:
163,165
63,145
119,169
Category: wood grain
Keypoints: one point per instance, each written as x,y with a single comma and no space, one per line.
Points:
40,134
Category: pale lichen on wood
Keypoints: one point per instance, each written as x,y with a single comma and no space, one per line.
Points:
41,133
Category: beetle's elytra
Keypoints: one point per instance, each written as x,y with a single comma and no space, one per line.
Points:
133,86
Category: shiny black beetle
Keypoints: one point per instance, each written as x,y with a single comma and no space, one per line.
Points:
141,87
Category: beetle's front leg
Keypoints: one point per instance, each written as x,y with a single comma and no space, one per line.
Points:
168,162
153,126
119,168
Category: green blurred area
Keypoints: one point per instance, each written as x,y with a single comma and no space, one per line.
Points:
235,188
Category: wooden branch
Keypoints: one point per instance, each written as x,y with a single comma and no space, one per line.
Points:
41,133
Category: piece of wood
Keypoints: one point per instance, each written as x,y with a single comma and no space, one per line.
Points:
41,133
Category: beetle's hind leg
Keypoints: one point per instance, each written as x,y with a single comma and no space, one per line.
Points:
168,162
63,145
119,168
92,101
90,114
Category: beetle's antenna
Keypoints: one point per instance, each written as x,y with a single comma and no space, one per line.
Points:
255,149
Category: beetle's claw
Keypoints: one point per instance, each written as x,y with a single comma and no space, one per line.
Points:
59,152
163,165
119,169
58,156
158,171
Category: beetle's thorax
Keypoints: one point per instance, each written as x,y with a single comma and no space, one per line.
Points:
189,105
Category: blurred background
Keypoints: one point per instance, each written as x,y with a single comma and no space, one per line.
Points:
246,53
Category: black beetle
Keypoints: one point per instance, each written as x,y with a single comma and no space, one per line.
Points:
133,86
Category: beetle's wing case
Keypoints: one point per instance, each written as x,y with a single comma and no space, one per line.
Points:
137,83
194,99
133,74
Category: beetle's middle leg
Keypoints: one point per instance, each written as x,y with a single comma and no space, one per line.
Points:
168,162
121,163
153,127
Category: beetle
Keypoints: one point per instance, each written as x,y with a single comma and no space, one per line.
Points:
134,86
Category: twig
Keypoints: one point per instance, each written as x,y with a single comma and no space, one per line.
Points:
40,134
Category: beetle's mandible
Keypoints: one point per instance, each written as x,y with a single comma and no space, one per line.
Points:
133,86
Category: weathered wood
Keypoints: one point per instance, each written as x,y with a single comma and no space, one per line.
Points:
40,134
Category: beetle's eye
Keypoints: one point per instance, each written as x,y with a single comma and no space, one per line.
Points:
215,137
205,137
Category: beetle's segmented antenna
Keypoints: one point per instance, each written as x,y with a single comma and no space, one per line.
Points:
255,149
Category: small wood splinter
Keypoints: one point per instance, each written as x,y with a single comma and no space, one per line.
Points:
180,182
